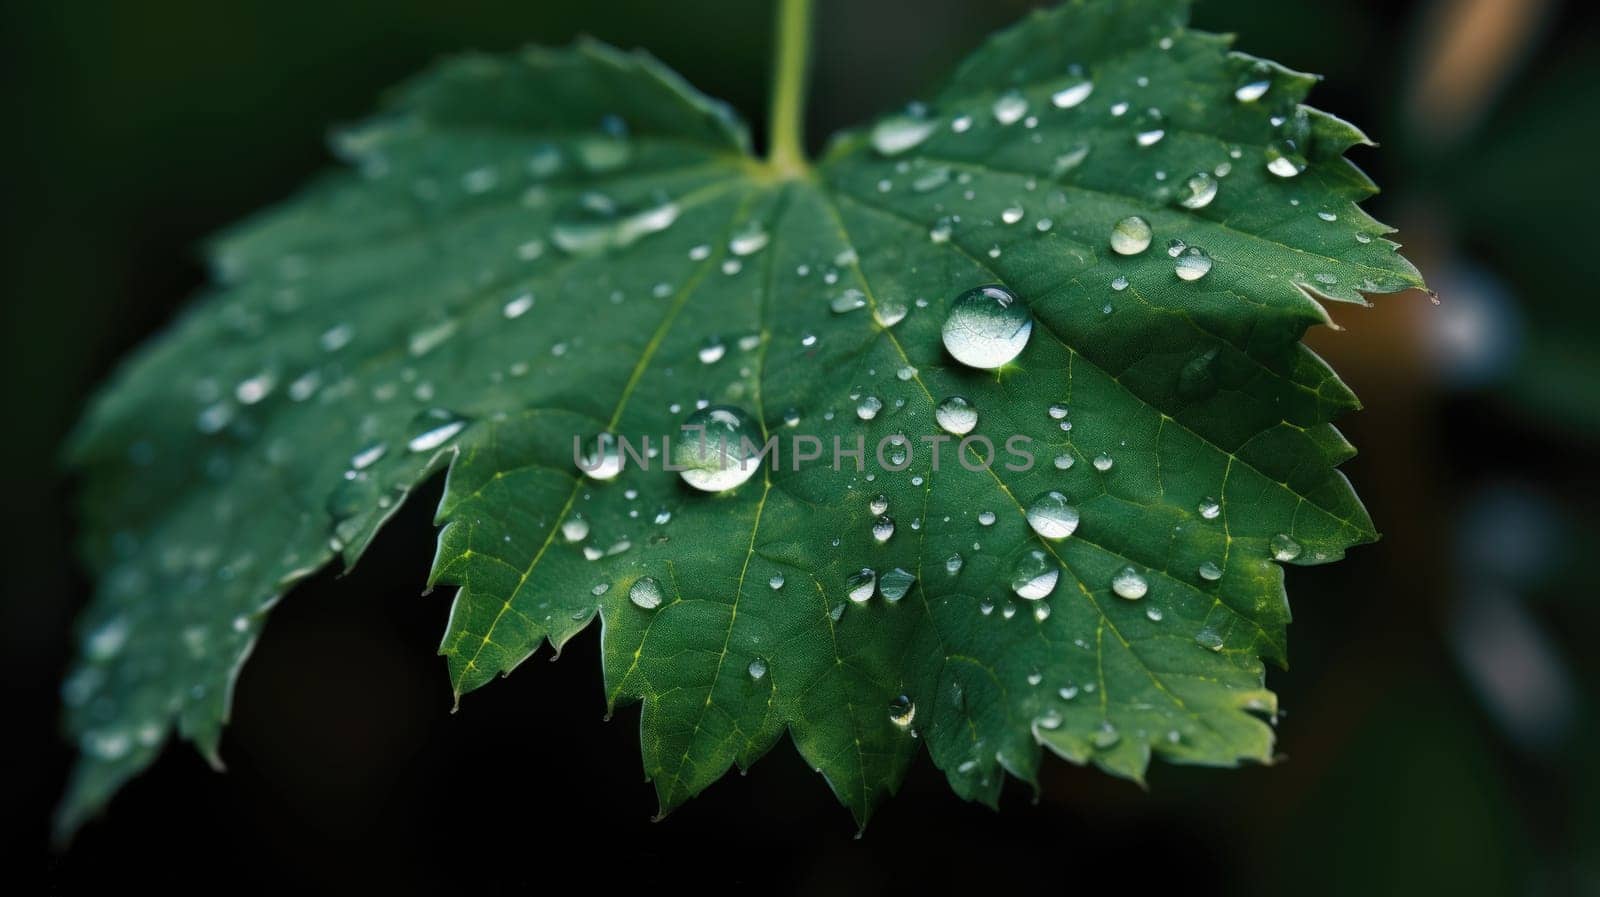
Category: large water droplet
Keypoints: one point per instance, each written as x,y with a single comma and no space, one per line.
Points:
1034,575
902,712
956,415
1283,161
894,584
860,585
646,592
1192,264
437,427
1130,584
898,133
717,449
1130,236
602,458
1284,548
1209,571
1052,517
1072,94
757,668
1199,189
883,528
1010,107
987,327
593,223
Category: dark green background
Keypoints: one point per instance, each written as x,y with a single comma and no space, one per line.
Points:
136,129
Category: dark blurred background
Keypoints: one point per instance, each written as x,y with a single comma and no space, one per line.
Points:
1442,700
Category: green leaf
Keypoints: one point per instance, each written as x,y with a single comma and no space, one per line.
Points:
529,249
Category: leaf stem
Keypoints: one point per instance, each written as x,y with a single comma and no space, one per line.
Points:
786,154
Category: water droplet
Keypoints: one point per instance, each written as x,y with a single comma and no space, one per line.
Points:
1149,137
952,564
860,585
1154,614
1209,638
1130,584
986,518
750,240
438,427
1070,159
1010,107
879,504
1209,571
902,711
593,223
883,528
1119,283
889,312
776,582
712,351
1284,548
602,458
1052,517
898,133
1034,575
1284,162
1105,736
518,306
757,668
368,456
1199,189
1252,90
987,327
894,584
1209,508
868,407
1193,264
718,448
1072,94
1064,461
646,592
848,301
1130,236
575,528
1103,462
956,415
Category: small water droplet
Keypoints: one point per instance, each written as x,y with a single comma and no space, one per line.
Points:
868,407
883,528
952,564
1209,508
1103,462
437,427
1209,571
757,668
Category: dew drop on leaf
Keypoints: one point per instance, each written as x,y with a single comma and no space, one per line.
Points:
1034,575
717,448
1130,236
1130,584
956,415
1052,517
987,327
1192,264
646,592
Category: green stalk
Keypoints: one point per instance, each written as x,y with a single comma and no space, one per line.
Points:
786,154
